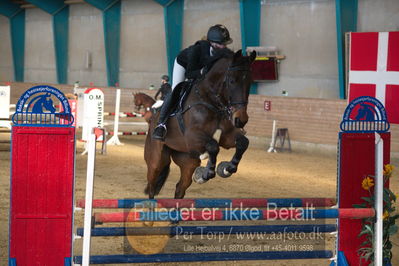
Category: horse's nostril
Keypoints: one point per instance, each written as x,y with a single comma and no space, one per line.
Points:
238,123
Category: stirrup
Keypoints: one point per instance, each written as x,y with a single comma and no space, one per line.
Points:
161,125
162,135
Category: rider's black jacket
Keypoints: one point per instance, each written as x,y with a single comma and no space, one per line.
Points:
194,58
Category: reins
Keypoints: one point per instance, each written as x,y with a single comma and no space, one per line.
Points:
219,105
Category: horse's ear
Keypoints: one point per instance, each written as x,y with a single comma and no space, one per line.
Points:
252,56
238,54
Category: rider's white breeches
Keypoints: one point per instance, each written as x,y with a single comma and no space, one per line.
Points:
179,73
157,104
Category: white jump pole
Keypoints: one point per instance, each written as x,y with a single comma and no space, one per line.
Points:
115,139
5,106
91,147
379,192
273,141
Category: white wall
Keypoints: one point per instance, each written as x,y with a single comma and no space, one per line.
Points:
6,64
39,47
143,48
206,13
381,15
305,32
86,38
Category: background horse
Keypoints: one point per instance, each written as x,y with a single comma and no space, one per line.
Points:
214,114
143,101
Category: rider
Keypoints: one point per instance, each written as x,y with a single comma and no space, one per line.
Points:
165,88
190,64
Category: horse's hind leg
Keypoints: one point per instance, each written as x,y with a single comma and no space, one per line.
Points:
157,171
187,166
226,169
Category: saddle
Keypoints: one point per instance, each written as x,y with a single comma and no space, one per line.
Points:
180,92
181,95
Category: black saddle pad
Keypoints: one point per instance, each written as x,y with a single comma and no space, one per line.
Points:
184,90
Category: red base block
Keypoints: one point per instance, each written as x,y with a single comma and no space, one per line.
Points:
356,161
42,179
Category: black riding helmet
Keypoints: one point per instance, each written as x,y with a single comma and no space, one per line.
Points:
219,34
165,77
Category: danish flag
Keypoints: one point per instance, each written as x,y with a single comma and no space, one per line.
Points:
374,69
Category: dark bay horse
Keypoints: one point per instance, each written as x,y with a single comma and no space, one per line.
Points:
143,101
216,112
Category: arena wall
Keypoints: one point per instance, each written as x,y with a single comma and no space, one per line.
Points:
6,64
303,30
313,124
305,33
39,47
86,45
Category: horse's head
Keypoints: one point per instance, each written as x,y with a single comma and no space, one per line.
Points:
138,101
48,103
142,100
237,84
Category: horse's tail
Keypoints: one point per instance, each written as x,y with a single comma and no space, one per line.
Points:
161,179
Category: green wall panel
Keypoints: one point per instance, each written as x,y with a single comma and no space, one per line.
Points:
112,30
16,17
173,20
346,20
250,28
60,13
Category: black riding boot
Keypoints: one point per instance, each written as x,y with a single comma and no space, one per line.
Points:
160,130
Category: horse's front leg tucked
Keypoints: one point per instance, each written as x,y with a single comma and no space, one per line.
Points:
226,169
203,174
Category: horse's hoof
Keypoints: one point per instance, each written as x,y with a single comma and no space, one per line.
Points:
222,169
204,156
198,175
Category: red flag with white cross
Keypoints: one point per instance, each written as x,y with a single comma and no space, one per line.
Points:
374,69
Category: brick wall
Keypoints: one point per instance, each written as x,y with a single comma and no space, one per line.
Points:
308,120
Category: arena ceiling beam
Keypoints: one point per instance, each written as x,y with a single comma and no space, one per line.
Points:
250,28
60,12
173,20
8,8
111,10
16,16
346,20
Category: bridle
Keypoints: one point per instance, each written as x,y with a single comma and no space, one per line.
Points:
231,104
219,104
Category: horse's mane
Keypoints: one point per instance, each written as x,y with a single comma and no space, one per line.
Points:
144,95
223,53
219,54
